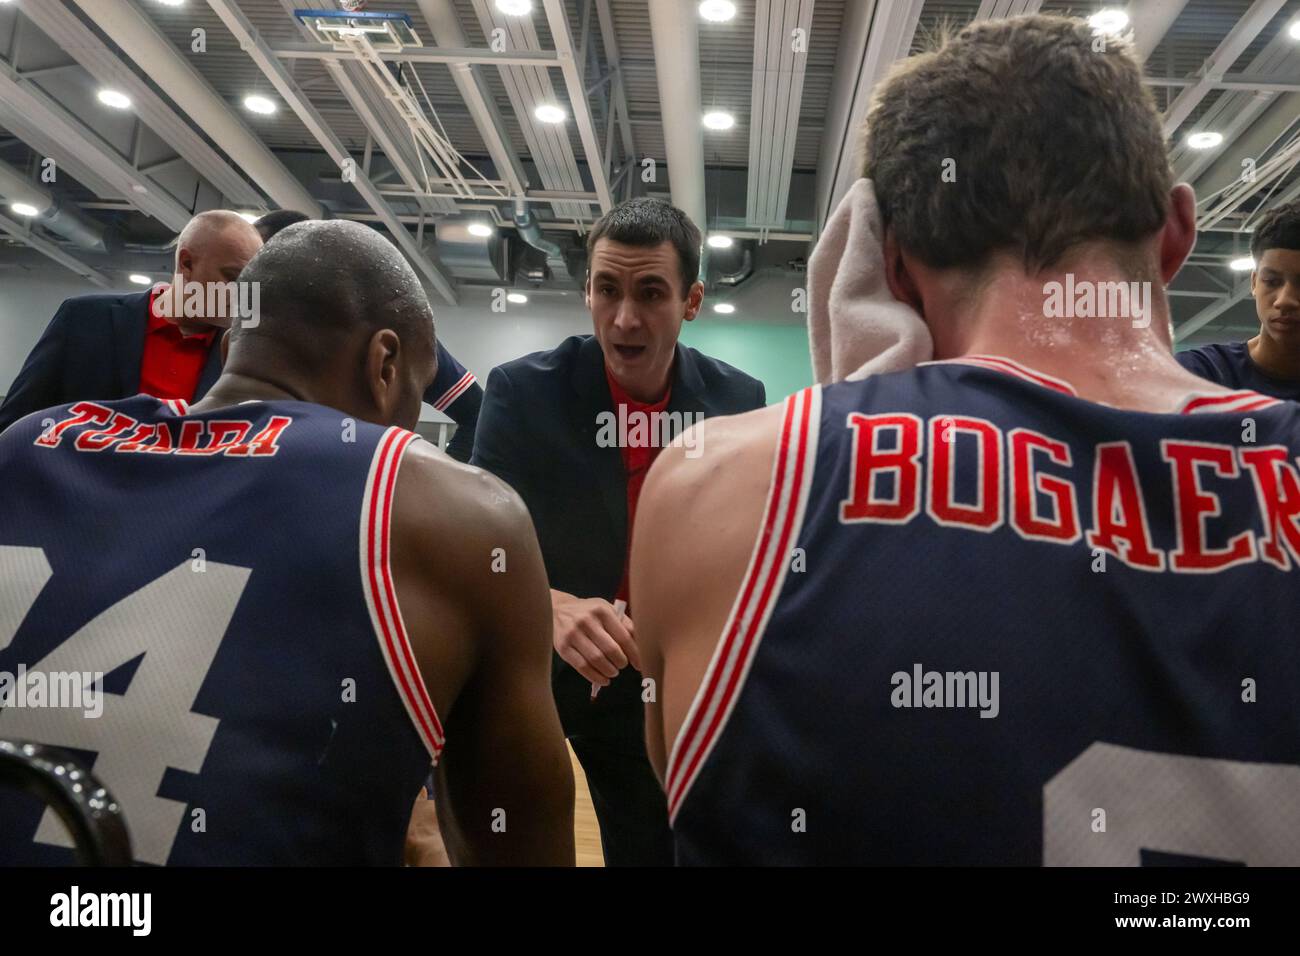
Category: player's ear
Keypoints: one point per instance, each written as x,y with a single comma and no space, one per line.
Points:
1178,234
382,375
184,263
902,284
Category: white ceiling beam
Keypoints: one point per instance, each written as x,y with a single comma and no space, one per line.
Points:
1149,21
1251,24
444,22
460,54
75,145
527,87
143,42
1001,9
614,61
775,102
66,29
559,24
875,34
45,247
1212,311
260,52
373,108
674,31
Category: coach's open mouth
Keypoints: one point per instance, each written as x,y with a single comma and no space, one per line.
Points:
629,353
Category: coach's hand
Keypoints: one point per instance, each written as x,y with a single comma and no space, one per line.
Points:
592,637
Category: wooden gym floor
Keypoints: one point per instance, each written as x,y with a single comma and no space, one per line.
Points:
586,833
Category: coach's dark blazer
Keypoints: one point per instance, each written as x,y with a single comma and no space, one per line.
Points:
537,431
93,347
90,350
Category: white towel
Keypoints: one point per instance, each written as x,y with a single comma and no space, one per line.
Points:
856,327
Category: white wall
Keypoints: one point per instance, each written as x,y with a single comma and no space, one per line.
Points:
479,338
28,300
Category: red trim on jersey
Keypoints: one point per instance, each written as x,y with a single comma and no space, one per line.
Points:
999,364
381,598
1245,401
744,628
455,391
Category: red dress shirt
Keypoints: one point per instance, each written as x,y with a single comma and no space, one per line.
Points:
172,363
636,461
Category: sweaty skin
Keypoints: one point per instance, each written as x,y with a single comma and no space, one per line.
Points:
481,635
698,517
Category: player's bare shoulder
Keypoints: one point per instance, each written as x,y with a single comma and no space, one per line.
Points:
700,510
457,506
723,459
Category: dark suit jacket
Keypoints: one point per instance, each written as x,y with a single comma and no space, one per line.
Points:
93,346
90,350
537,431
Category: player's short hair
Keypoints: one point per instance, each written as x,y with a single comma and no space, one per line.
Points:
1279,229
270,224
1051,137
650,222
322,279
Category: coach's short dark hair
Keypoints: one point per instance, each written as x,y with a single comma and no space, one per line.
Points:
1054,135
650,222
273,222
1279,229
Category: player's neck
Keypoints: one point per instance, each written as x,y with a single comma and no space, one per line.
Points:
1045,322
1274,360
233,388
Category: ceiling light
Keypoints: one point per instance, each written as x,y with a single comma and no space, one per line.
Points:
518,298
1204,140
171,3
1244,264
720,242
717,11
515,8
480,229
1294,32
139,279
119,101
719,120
724,308
1110,20
259,104
24,209
548,113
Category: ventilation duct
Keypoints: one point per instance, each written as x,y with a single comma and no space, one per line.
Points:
61,218
531,233
469,256
746,270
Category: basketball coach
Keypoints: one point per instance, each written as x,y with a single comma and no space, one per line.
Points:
545,429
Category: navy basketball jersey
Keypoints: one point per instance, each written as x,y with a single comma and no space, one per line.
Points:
988,622
450,383
1230,365
224,580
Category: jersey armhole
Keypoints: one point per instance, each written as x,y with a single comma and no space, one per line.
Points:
783,515
381,594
